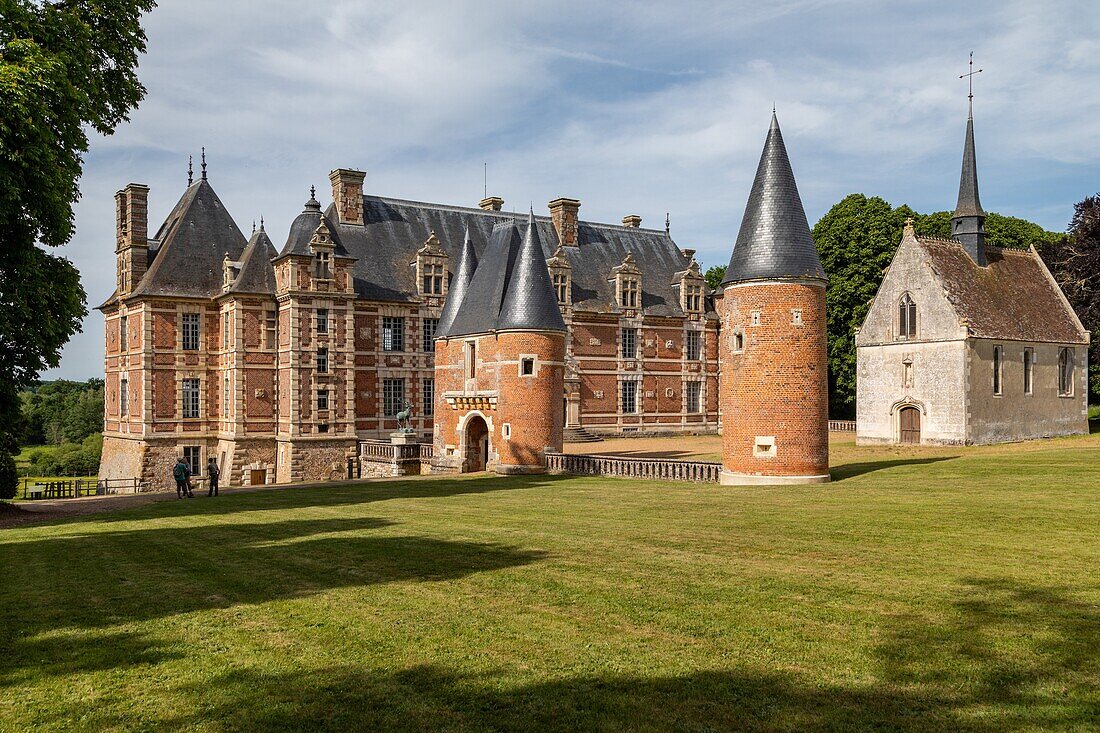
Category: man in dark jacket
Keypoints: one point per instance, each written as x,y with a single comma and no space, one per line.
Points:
212,474
182,473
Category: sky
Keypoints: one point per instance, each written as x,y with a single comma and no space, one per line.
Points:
634,108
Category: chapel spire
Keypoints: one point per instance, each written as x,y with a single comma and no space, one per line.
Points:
968,221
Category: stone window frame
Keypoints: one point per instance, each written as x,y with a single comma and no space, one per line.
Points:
1066,371
392,398
322,400
197,450
469,363
533,361
396,337
623,331
1028,359
321,366
321,321
227,392
699,337
195,392
700,388
431,268
123,335
738,339
628,284
998,370
755,318
124,394
190,338
561,277
796,317
227,328
692,287
907,325
623,382
427,396
271,327
427,340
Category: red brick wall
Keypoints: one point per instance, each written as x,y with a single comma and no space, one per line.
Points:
779,385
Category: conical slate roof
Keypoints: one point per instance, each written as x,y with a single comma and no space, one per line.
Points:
774,241
257,275
530,303
969,204
478,311
194,239
303,228
460,284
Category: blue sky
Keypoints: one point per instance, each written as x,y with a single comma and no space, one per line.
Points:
637,107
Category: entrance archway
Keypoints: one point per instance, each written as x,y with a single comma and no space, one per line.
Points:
909,418
477,444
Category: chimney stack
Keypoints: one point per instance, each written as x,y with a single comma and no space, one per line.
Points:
563,213
632,220
131,235
347,194
491,203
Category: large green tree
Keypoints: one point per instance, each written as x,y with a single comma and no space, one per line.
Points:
1074,260
67,68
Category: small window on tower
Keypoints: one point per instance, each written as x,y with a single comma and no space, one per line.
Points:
738,341
527,366
796,316
754,318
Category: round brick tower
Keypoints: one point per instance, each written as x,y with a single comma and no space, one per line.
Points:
774,388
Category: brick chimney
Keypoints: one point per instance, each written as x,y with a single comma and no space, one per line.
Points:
131,235
632,220
347,194
563,213
491,203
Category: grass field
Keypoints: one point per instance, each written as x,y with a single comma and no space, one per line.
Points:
952,589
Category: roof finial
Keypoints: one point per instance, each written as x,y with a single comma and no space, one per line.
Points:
312,192
253,226
190,170
970,79
261,222
668,223
204,163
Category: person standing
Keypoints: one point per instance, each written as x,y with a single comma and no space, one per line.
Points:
212,474
182,473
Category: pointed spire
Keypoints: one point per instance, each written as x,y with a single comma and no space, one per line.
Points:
529,302
313,203
968,221
460,284
774,240
204,163
190,170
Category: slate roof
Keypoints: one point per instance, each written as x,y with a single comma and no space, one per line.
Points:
394,229
774,240
256,275
969,204
459,285
529,300
305,225
193,241
1013,298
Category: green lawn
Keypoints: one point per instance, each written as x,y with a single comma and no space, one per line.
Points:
955,590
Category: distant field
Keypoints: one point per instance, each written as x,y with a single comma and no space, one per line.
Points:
946,589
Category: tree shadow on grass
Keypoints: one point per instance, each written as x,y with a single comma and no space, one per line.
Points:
75,583
1002,656
851,470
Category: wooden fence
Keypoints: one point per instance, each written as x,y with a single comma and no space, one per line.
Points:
74,488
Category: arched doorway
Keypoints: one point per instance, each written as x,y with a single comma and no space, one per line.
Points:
477,444
909,418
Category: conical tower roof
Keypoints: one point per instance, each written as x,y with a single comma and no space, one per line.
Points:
969,204
530,303
257,275
774,240
460,285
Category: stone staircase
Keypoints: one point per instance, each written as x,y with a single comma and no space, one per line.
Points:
580,435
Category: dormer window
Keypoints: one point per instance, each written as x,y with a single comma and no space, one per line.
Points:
431,268
628,283
323,265
322,246
691,284
693,299
561,274
628,293
907,317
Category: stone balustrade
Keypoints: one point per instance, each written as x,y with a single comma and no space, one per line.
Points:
658,469
383,458
842,426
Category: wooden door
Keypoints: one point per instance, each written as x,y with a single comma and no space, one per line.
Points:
910,425
258,476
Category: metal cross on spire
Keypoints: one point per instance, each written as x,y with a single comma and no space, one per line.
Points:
970,77
190,171
204,163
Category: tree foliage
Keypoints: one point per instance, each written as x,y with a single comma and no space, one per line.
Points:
67,67
61,412
1074,260
714,276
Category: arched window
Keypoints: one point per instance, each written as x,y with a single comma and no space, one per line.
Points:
1065,372
907,317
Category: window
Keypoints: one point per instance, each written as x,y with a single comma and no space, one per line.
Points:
693,392
428,340
998,368
124,397
796,316
123,336
1065,372
754,318
270,328
432,281
527,366
393,396
471,359
226,327
393,334
322,400
190,398
190,327
628,294
322,361
192,456
324,272
1029,369
693,298
907,317
628,392
691,345
738,341
629,339
225,396
561,287
322,320
427,396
